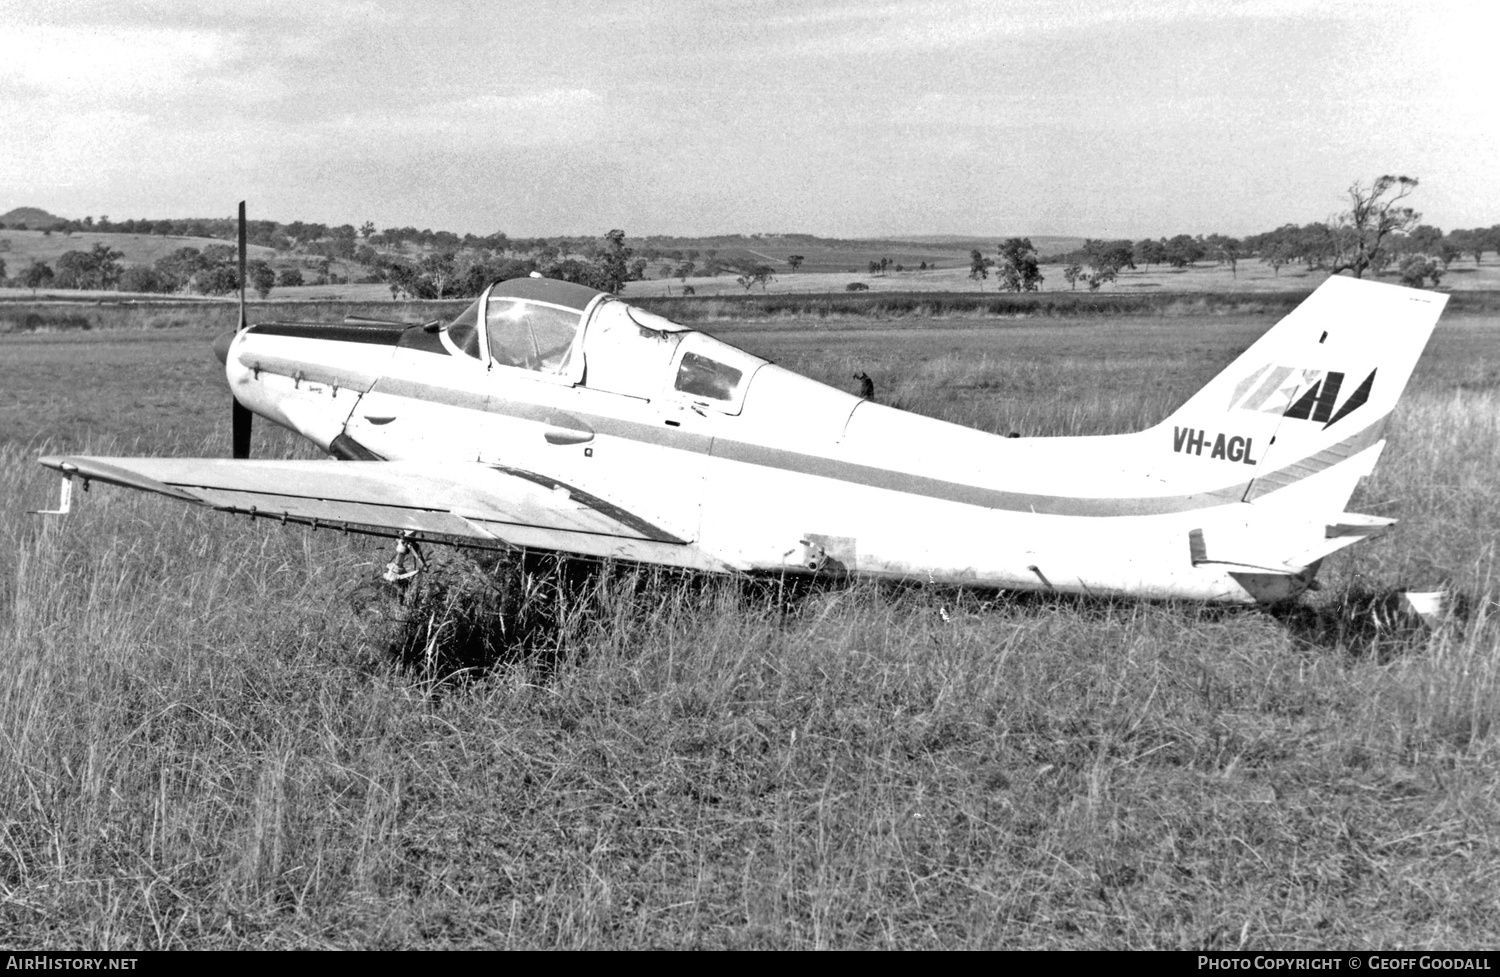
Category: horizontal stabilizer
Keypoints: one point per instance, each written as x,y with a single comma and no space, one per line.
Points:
1282,549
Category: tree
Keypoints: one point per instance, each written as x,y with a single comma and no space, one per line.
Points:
1181,251
37,276
795,260
1072,273
289,278
1017,268
144,278
97,268
439,269
1276,255
1375,212
612,259
1226,250
219,280
979,267
1106,258
1417,268
262,277
756,275
404,279
1149,252
220,254
579,272
1424,238
1475,241
179,267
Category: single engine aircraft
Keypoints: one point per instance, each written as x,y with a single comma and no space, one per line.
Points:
550,416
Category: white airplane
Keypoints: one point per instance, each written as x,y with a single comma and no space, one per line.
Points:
550,416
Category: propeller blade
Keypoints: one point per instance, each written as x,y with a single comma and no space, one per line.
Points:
242,264
242,418
241,415
222,343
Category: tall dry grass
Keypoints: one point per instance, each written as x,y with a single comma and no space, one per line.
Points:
220,734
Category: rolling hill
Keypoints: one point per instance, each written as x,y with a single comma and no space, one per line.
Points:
33,217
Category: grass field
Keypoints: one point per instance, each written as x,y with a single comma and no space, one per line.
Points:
217,733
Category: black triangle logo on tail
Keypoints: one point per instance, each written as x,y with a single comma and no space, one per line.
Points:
1356,399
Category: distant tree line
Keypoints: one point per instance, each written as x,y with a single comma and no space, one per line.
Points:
604,263
1378,234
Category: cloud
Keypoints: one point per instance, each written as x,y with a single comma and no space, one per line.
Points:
105,64
540,118
43,149
859,28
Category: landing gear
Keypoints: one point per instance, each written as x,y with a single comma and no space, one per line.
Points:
397,571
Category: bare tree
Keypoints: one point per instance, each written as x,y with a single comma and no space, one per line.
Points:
1375,212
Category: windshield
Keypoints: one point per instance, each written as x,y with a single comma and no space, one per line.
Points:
530,335
462,334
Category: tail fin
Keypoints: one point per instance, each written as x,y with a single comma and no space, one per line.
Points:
1314,391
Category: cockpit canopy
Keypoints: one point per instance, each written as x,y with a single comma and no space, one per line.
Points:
571,334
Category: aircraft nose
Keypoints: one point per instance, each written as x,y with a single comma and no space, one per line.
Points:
221,345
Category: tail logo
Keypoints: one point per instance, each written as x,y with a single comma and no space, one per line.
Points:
1305,395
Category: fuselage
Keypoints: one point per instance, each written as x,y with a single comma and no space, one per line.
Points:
731,463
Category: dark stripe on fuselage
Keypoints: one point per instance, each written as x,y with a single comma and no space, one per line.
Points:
422,341
937,488
1036,504
332,332
891,479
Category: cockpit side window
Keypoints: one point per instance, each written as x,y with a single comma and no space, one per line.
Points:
530,335
703,377
462,334
712,373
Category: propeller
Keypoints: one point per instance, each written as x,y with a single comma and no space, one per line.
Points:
240,415
241,421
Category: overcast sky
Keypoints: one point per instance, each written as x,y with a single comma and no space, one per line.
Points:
863,118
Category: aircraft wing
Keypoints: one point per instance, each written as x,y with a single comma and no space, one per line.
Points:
468,504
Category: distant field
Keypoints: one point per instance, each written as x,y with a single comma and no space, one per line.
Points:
138,249
1252,277
826,269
